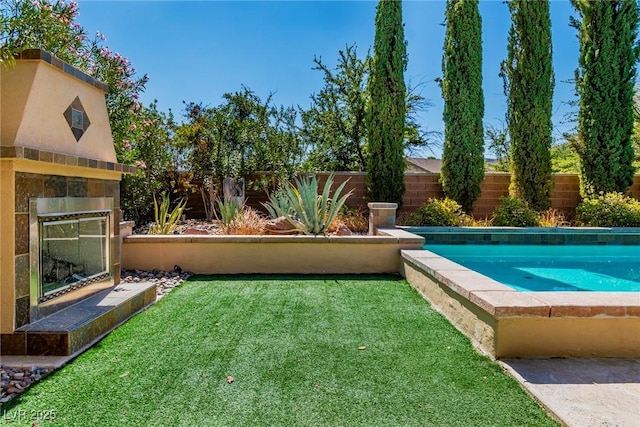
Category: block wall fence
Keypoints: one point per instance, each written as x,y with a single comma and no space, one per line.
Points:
565,194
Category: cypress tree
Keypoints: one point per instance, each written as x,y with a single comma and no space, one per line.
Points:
463,155
528,85
387,110
604,81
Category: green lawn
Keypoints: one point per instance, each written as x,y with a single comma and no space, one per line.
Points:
293,345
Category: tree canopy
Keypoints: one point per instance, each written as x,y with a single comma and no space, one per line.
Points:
605,80
387,109
463,155
334,128
528,85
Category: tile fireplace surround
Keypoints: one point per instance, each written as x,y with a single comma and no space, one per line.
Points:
55,142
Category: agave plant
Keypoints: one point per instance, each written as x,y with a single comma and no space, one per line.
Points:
229,208
308,211
278,202
166,221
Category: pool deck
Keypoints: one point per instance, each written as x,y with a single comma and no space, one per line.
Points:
583,392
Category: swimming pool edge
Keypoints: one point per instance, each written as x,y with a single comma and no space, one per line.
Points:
502,322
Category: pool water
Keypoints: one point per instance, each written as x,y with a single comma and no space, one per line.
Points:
602,268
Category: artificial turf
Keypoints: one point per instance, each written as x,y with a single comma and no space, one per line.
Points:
302,350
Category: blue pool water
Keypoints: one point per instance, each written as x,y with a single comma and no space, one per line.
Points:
609,268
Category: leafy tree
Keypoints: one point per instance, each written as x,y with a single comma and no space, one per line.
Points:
528,84
387,110
564,158
150,148
605,78
335,126
500,145
240,137
463,155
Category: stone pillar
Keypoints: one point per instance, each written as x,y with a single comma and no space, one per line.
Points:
381,215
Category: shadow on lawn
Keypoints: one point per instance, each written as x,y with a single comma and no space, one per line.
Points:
337,278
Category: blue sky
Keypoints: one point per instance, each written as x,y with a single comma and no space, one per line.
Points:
196,51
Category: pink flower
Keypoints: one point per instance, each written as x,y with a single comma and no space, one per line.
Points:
141,164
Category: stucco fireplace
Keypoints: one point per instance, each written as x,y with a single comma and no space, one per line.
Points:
59,205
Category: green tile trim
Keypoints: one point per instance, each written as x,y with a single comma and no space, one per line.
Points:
541,236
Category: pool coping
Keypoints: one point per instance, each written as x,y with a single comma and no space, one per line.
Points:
499,299
490,313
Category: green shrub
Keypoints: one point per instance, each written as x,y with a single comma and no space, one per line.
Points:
439,212
608,210
514,212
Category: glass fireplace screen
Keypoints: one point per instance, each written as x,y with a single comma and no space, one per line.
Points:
74,251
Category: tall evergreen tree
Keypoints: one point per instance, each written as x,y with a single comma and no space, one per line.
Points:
463,155
528,85
604,81
387,110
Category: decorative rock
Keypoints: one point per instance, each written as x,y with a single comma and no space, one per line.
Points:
17,380
343,230
195,231
279,226
165,281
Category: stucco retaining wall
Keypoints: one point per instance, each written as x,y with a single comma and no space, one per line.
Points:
269,254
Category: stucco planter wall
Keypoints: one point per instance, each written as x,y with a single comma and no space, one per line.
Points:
270,254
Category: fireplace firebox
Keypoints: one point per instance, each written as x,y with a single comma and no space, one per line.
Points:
70,249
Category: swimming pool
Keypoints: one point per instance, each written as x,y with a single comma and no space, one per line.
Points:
504,322
531,267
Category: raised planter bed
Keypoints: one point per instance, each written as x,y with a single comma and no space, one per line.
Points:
270,254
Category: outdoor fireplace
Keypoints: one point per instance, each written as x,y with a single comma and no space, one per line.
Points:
59,209
70,249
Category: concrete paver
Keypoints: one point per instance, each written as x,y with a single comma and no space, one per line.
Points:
583,392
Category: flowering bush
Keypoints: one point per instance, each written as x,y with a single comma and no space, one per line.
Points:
142,135
27,24
608,210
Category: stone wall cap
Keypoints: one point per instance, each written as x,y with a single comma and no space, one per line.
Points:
382,205
49,58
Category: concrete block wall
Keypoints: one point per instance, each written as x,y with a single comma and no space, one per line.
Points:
565,193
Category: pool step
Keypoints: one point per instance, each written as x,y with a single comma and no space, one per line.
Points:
82,324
